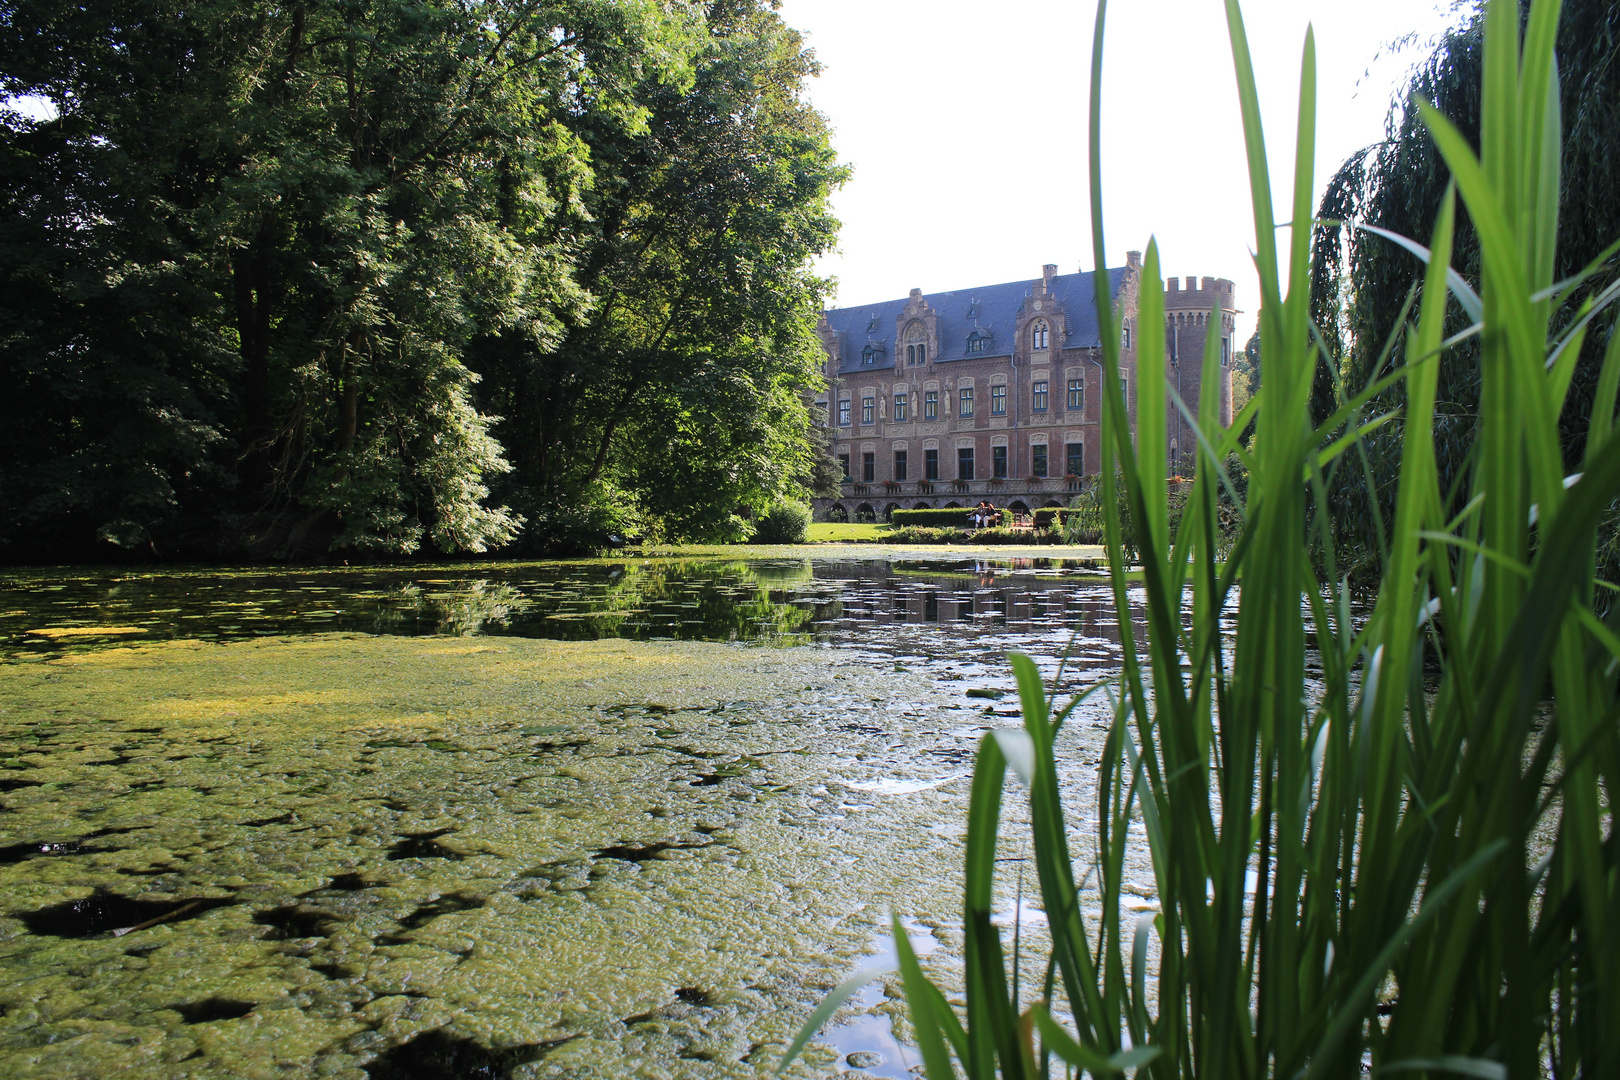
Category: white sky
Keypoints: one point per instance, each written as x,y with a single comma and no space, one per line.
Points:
965,124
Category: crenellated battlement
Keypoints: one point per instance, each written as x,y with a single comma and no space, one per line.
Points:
1199,294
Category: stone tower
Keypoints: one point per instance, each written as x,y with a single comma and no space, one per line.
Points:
1191,316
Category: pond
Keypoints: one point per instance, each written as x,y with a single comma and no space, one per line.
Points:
601,818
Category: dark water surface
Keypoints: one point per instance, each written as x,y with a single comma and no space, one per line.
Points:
934,606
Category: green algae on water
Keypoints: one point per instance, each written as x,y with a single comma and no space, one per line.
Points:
601,858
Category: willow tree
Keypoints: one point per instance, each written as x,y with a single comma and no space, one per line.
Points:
1365,286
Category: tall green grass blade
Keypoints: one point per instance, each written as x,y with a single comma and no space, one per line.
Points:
926,1018
823,1012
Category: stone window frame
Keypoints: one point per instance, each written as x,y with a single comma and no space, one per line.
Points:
868,409
1040,335
964,402
998,399
843,412
1075,392
930,405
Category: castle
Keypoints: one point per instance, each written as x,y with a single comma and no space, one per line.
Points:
991,394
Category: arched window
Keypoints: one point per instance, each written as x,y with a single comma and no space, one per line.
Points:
1038,334
916,344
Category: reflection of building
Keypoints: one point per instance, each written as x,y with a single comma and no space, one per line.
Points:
991,393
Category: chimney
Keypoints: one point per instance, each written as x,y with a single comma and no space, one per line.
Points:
1133,258
916,294
1048,272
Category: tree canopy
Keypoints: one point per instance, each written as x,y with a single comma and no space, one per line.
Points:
368,275
1364,286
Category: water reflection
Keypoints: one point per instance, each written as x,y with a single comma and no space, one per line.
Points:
926,607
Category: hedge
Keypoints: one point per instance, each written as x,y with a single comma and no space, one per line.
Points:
954,518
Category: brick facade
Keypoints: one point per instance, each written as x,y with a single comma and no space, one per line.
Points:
974,383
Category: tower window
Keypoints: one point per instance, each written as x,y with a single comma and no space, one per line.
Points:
1038,334
998,401
1038,396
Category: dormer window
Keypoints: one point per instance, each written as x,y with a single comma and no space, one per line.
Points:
916,344
869,355
973,310
1038,334
978,342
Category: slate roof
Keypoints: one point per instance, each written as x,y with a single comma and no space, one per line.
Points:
996,307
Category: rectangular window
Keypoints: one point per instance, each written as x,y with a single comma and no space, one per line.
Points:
998,401
843,460
1125,389
930,464
868,466
964,463
964,401
843,412
931,405
1038,397
868,410
1077,393
1076,454
998,462
899,464
1226,350
1126,343
899,408
1037,460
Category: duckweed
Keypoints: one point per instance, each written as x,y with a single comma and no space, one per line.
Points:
510,856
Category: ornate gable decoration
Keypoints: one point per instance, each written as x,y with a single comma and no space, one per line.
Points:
916,333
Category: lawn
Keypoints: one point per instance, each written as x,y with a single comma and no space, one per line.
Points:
844,533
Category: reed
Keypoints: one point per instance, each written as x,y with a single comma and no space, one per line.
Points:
1407,861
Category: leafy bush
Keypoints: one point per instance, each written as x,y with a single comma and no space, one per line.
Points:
606,517
784,523
922,534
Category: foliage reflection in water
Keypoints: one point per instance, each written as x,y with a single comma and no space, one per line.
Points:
768,601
